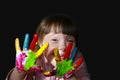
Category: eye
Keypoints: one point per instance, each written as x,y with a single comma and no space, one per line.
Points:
70,40
54,40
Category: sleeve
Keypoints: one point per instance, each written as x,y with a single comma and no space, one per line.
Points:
8,75
81,72
29,75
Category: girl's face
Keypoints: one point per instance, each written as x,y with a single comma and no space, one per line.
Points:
57,40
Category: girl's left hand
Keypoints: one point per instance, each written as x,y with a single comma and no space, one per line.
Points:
65,67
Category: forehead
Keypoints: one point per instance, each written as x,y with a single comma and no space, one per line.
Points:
60,35
53,34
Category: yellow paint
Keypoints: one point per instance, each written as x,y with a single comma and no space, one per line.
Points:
56,54
17,44
41,50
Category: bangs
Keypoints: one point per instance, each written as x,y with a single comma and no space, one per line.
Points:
61,24
57,24
64,28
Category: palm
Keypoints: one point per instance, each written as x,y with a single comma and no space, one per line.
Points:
66,67
26,58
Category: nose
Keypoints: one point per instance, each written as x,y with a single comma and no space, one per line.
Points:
62,47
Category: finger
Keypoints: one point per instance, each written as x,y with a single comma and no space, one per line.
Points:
26,42
57,55
17,44
36,68
33,43
73,53
47,73
41,50
68,50
79,62
69,74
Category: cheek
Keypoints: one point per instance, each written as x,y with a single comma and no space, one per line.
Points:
49,54
50,50
73,47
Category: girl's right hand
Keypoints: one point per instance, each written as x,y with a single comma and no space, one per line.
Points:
26,58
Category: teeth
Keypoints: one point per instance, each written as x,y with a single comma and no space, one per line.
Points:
61,53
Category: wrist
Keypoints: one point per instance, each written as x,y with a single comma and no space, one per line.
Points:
17,75
20,71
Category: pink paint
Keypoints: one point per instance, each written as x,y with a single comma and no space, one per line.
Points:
19,61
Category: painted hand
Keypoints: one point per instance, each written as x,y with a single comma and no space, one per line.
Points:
26,58
65,68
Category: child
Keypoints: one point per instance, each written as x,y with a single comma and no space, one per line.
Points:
58,31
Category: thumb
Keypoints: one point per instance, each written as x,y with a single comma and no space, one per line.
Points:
41,50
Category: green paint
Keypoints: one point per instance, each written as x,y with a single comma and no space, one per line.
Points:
30,60
63,67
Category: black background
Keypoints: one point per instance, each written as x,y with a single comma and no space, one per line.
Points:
17,18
